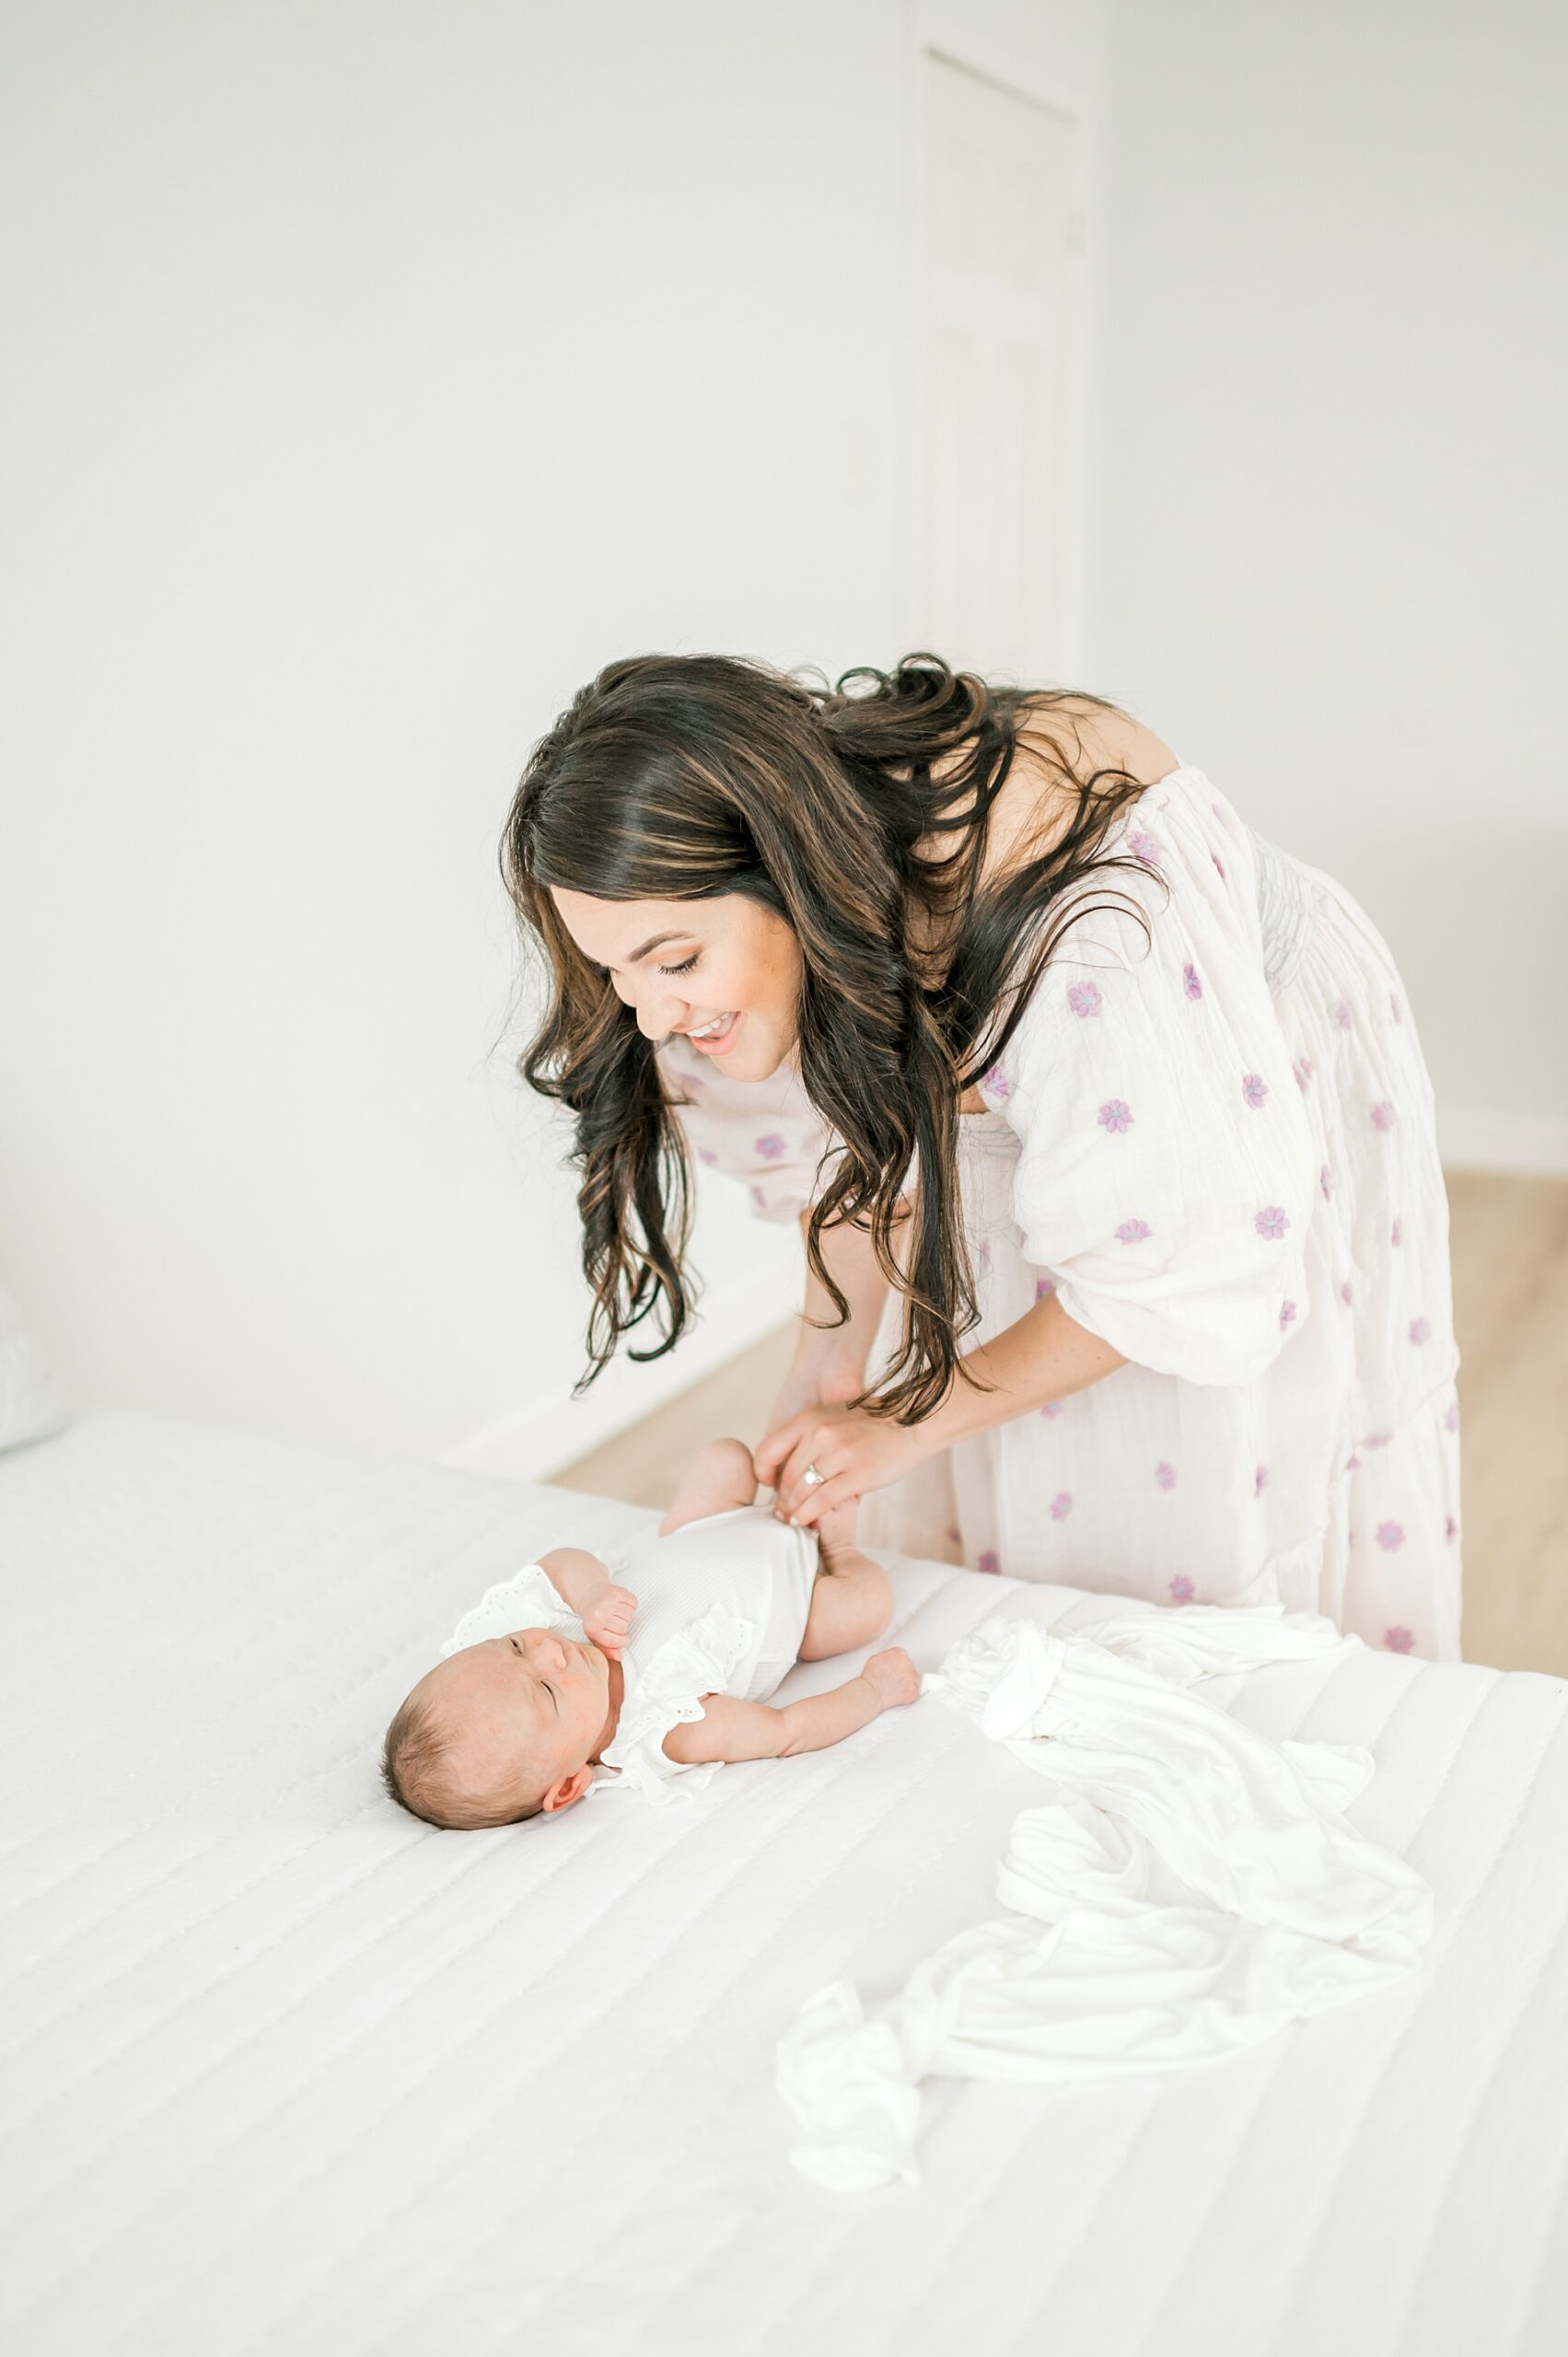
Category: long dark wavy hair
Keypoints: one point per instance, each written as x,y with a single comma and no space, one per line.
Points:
679,777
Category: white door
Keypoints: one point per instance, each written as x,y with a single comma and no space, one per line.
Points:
990,532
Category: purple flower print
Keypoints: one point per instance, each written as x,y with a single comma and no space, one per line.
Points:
1062,1506
1421,1330
1133,1231
986,1561
705,1153
1397,1234
1255,1090
1451,1527
1084,998
952,1534
1303,1068
770,1147
1115,1117
1044,1288
1052,1409
1345,1293
1399,1641
1260,1479
1390,1535
1219,864
1383,1115
1181,1589
759,1198
1451,1416
1287,1315
1190,983
1395,1009
1145,846
1342,1015
1326,1182
1165,1476
997,1082
984,1257
1352,1463
1272,1222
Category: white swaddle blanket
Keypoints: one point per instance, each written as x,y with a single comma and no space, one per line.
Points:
1190,1890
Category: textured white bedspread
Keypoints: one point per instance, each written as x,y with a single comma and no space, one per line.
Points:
286,2072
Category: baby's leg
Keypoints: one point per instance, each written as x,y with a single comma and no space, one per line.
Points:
852,1600
720,1476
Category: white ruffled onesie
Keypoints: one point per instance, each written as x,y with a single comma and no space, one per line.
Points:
722,1605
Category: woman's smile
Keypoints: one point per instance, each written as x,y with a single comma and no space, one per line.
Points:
713,1042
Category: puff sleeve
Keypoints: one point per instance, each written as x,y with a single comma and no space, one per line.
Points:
766,1133
1166,1175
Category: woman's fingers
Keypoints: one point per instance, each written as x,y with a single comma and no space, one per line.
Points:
774,1450
814,1451
835,1492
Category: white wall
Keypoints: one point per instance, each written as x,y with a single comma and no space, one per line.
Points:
1331,531
385,367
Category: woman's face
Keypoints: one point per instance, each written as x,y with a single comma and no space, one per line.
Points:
726,967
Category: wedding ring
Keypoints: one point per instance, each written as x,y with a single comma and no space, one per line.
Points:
812,1478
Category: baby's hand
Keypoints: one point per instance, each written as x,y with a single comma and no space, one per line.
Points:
607,1618
893,1677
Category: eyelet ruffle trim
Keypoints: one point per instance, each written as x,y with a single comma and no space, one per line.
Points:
696,1662
525,1601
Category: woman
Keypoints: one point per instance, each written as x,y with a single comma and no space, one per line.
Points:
1106,1121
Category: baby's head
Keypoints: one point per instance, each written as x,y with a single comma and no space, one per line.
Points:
500,1731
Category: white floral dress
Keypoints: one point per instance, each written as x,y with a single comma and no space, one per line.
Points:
722,1605
1217,1147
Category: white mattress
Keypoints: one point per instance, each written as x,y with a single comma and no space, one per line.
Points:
286,2072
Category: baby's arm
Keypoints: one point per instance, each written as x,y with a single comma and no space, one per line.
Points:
581,1581
730,1729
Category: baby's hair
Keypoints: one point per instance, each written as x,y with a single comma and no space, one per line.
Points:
411,1761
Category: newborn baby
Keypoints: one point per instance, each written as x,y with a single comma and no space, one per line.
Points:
560,1670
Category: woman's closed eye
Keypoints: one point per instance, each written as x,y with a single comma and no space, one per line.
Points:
685,966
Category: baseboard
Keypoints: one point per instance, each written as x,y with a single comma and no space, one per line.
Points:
534,1442
1533,1146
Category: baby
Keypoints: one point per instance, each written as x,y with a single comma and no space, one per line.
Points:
562,1670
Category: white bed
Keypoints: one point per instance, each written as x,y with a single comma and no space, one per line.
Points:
286,2072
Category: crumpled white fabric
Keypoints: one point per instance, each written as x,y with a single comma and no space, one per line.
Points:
1190,1889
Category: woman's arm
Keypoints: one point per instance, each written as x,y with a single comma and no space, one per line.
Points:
830,1360
1044,1355
730,1729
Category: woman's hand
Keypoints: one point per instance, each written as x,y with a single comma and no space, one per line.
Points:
827,1379
853,1451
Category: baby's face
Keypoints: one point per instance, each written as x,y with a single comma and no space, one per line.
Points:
518,1713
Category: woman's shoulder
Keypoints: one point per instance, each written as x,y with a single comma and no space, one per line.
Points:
1063,742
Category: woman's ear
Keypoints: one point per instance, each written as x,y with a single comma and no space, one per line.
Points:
567,1789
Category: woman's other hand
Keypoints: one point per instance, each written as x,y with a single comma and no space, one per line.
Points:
853,1450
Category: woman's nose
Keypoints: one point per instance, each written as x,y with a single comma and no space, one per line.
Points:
658,1015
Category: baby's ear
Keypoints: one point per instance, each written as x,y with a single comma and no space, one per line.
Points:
567,1789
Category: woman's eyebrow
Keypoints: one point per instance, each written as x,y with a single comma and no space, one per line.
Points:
638,953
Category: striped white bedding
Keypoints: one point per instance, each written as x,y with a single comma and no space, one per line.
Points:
286,2072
